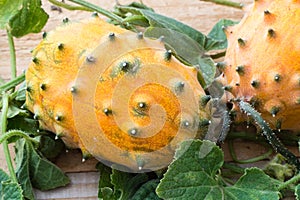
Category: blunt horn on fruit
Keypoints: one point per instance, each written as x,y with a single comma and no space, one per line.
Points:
267,46
115,94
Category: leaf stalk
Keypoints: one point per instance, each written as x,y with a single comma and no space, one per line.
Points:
5,99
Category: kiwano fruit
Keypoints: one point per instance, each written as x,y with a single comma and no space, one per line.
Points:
262,62
114,94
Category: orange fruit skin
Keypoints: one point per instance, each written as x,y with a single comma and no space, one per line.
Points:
56,69
263,61
51,82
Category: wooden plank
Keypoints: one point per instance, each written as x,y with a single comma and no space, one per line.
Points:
83,186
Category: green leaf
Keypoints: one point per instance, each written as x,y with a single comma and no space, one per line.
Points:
182,45
206,68
118,185
157,20
147,191
11,190
3,177
15,110
254,184
216,37
193,174
160,21
126,184
49,146
8,9
104,186
137,20
22,17
34,170
21,93
22,168
44,174
297,192
25,124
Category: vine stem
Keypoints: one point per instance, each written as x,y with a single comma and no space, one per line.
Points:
269,134
293,180
67,6
13,62
251,160
5,98
12,83
12,133
99,10
226,3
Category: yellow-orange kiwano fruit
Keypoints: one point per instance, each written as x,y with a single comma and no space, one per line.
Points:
262,63
115,94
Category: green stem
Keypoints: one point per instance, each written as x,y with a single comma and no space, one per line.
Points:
226,3
12,55
233,168
99,10
293,180
5,98
251,160
269,134
218,55
289,139
12,133
69,7
12,83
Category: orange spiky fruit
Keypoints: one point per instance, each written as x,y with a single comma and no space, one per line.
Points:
262,62
114,94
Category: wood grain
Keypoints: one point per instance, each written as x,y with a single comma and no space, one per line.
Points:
198,14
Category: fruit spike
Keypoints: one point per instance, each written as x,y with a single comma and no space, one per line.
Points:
54,88
272,58
271,33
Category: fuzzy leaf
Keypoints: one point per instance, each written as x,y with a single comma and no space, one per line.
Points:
117,185
147,191
106,193
15,110
104,186
22,168
22,17
21,93
216,37
11,190
3,177
126,184
25,124
207,70
254,184
34,170
182,45
44,174
157,20
8,9
49,146
160,21
193,175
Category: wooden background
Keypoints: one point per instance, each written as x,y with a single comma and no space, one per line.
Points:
198,14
